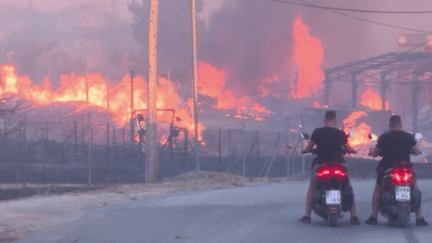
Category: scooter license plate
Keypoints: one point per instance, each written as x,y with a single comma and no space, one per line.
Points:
403,193
333,197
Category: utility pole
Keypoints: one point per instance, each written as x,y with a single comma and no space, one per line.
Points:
244,142
132,107
151,149
88,127
25,153
415,91
195,88
302,146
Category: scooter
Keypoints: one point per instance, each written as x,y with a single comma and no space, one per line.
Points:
333,195
400,195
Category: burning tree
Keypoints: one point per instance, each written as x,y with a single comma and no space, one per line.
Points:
10,105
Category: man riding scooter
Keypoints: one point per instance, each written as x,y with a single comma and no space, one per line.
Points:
329,142
395,145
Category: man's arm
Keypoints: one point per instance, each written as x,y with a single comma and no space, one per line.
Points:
375,152
415,150
348,148
309,146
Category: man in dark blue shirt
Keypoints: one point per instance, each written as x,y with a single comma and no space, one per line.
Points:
329,142
394,146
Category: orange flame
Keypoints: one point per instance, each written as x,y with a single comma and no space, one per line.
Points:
210,80
308,56
361,132
258,108
267,87
226,100
373,100
211,83
74,89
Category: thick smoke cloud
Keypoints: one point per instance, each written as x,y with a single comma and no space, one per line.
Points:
250,40
253,39
174,37
77,40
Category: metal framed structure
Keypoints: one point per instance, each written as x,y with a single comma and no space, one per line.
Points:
409,68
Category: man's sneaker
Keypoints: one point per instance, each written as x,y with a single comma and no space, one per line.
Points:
372,221
305,220
421,222
354,221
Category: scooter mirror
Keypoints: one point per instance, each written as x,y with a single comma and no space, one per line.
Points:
373,137
418,136
305,135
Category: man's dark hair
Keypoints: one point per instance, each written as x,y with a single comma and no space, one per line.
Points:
330,115
395,120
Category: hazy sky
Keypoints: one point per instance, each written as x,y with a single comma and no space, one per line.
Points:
120,6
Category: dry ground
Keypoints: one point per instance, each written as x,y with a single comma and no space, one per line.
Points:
25,211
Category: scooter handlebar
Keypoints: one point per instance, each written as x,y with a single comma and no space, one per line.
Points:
313,151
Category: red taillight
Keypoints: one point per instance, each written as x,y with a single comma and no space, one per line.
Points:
402,176
327,172
339,172
323,173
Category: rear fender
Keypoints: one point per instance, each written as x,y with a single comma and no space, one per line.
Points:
347,198
416,197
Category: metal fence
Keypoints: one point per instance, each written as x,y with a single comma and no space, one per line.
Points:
58,149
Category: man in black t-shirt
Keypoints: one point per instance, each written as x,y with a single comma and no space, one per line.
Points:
329,142
395,146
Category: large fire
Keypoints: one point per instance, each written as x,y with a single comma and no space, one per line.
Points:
308,56
74,89
361,132
373,100
211,82
268,87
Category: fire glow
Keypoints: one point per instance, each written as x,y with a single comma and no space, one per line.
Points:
373,100
211,82
74,89
308,56
361,132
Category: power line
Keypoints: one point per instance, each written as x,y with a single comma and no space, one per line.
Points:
379,23
351,10
375,22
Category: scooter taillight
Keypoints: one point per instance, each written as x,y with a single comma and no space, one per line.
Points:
402,176
323,173
339,172
329,171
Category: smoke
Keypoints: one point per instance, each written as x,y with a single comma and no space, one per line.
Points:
174,36
78,40
251,41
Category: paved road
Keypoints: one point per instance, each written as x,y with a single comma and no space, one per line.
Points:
263,213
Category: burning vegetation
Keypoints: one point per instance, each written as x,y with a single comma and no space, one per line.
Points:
99,94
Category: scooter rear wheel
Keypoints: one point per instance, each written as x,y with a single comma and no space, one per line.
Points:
332,219
402,216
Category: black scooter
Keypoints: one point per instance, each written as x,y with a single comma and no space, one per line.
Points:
333,194
400,195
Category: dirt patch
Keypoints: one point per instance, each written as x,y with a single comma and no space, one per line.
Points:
26,211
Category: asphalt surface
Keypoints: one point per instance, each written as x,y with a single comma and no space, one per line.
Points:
256,213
